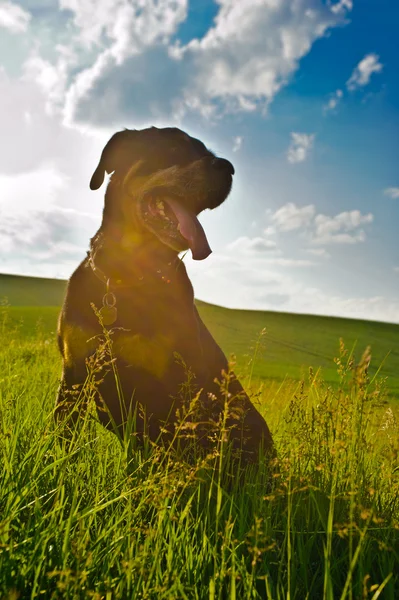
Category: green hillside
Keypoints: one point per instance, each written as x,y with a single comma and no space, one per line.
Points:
31,291
291,343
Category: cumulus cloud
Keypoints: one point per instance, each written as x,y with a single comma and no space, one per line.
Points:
17,190
41,234
274,299
252,245
47,212
378,308
341,6
269,230
38,236
51,78
344,228
333,102
13,17
318,252
253,48
392,192
300,146
290,216
134,28
265,252
262,285
237,143
31,137
32,222
290,262
362,73
136,70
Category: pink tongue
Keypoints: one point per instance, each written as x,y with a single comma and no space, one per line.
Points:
191,229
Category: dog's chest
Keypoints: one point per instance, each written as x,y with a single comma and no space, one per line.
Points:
153,329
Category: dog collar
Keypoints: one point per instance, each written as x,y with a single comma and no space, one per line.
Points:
108,313
119,283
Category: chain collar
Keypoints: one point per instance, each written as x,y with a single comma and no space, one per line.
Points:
119,283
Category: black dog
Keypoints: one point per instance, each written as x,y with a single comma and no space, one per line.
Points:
162,179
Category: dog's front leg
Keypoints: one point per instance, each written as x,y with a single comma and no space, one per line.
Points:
249,429
74,389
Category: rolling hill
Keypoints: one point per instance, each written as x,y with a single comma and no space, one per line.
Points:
31,291
289,345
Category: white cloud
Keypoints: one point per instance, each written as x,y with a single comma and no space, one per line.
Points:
333,102
237,143
392,192
264,251
239,64
254,47
36,138
269,230
134,25
290,216
59,269
13,17
41,234
60,250
378,308
318,252
362,73
47,212
344,228
134,28
342,6
17,190
32,224
301,144
51,78
263,284
252,245
290,262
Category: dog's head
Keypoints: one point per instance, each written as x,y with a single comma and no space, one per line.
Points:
166,179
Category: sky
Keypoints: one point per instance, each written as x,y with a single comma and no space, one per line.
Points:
301,95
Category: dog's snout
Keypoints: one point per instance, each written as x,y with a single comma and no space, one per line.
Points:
223,165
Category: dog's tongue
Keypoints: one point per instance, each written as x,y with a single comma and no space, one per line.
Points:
191,229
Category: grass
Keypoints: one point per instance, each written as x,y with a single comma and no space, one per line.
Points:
94,520
32,291
291,342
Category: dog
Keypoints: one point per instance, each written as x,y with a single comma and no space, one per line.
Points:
133,286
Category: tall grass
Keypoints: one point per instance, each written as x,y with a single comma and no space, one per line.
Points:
91,519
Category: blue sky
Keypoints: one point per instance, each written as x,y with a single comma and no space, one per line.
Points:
301,95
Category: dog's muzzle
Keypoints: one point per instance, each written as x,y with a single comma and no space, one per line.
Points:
167,203
173,223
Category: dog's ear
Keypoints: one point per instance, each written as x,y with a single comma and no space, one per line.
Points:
109,158
98,177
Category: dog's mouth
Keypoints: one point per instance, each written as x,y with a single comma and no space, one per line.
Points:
174,224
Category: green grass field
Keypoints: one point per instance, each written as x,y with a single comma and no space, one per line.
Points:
32,291
92,519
